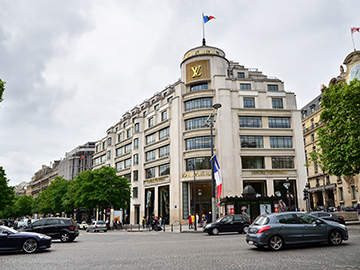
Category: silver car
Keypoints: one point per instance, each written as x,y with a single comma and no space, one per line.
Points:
278,229
97,226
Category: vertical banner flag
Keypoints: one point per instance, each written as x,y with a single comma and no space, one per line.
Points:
218,180
354,29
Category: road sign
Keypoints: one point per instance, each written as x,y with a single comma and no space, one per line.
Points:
282,203
290,196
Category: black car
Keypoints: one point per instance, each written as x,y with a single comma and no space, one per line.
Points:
64,229
230,223
11,240
329,216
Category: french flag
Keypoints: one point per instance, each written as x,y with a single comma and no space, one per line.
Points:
217,176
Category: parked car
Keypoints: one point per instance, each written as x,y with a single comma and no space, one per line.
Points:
350,209
230,223
278,229
329,216
23,223
83,225
11,240
97,226
64,229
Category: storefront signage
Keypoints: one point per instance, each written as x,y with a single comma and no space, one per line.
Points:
198,173
269,172
155,180
198,52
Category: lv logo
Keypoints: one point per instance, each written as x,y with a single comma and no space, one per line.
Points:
196,71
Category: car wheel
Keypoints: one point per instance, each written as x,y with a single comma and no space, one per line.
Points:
215,231
29,245
245,229
87,230
275,243
105,231
335,238
65,237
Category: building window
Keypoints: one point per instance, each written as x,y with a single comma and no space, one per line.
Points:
282,162
303,114
164,169
135,192
245,86
164,151
279,122
353,195
197,87
341,192
150,155
163,115
109,154
136,159
198,143
151,122
97,161
316,167
144,113
119,137
128,177
119,151
104,145
127,163
241,75
251,142
250,121
195,123
119,165
136,143
109,141
128,148
103,158
280,142
170,99
202,163
151,138
164,133
97,148
272,87
156,107
277,103
137,127
312,137
249,102
150,173
312,108
304,128
253,162
124,125
136,175
128,133
199,103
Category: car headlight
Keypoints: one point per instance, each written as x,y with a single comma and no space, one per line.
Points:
43,236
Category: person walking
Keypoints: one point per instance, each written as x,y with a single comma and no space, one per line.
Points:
193,221
143,221
190,221
197,220
160,222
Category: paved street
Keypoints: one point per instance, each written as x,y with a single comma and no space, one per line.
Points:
159,250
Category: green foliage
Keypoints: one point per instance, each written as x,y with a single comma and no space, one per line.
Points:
339,140
100,189
2,89
6,193
24,205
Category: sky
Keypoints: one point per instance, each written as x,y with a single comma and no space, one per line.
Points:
72,68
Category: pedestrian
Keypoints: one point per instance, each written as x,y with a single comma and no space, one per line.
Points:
197,219
160,222
190,222
143,221
107,223
193,220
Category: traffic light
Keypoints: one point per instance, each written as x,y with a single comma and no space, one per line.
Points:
306,194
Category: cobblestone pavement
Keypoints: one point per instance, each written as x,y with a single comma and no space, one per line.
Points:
159,250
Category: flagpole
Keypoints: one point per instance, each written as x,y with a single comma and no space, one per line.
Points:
352,37
203,23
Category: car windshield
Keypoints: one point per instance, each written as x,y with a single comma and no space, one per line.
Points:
100,222
3,228
261,220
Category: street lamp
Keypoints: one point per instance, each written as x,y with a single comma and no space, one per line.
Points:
194,209
200,193
210,123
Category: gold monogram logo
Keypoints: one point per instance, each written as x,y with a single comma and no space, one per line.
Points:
196,71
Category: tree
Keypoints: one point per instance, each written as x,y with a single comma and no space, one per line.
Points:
339,139
24,205
6,193
100,189
2,90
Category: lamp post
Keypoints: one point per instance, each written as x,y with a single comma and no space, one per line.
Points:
194,208
210,123
200,209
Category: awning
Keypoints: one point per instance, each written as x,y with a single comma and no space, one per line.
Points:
321,188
